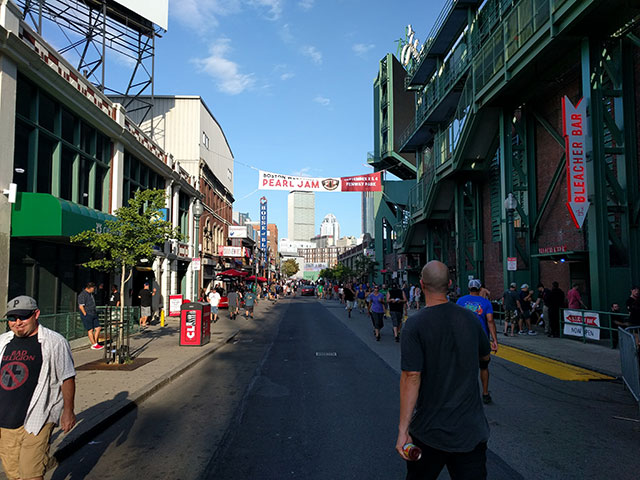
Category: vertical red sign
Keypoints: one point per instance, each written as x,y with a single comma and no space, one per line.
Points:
574,123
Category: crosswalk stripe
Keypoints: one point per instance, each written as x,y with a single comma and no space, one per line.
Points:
553,368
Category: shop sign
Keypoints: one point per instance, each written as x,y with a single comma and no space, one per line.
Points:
575,321
263,225
183,249
557,249
175,302
574,123
238,231
225,251
195,264
512,264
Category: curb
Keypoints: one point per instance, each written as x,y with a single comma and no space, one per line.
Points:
82,434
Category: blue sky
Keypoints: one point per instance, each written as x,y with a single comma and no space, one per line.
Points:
290,82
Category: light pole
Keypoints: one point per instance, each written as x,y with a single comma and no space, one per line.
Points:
510,205
197,213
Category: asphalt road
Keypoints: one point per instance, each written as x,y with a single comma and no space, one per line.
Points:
307,393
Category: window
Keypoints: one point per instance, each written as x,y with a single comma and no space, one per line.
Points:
205,140
138,176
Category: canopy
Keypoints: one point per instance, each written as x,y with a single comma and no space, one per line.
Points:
262,279
252,278
233,273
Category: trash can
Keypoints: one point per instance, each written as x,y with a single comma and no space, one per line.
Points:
195,324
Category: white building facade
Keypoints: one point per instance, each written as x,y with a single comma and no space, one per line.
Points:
301,215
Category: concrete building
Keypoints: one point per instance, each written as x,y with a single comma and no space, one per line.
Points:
301,216
368,216
185,126
330,227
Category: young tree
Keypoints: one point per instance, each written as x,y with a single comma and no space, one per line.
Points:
130,238
290,267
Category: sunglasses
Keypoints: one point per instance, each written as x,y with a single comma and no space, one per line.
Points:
13,318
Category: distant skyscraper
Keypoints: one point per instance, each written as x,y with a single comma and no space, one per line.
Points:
301,216
368,215
330,228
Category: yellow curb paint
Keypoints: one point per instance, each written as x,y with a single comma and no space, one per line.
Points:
550,367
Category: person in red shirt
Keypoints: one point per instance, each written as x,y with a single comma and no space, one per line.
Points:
574,299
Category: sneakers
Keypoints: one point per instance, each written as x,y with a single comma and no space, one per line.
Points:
531,332
97,346
397,339
522,332
486,399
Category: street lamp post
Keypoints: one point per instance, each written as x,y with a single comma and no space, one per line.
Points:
510,205
197,213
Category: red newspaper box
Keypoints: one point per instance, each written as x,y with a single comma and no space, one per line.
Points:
195,324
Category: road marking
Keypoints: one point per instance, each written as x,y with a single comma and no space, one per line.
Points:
326,354
553,368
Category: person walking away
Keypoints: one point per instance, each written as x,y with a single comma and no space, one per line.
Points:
412,291
89,315
484,292
396,300
574,299
349,297
555,301
38,394
214,301
416,297
484,312
443,346
232,296
526,297
146,298
511,305
250,300
376,308
114,298
542,308
633,307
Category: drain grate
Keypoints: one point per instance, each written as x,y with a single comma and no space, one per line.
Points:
326,354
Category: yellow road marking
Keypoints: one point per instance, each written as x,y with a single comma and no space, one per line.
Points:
548,366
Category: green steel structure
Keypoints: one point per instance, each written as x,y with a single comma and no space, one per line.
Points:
487,122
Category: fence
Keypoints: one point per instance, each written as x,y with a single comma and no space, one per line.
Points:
629,360
69,324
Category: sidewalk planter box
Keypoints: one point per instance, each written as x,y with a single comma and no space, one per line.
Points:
195,324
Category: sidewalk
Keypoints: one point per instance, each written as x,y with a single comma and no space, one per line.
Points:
573,352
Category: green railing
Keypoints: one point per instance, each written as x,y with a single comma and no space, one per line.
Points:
69,325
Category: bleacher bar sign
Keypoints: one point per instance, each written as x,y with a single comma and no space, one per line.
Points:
576,320
370,182
574,123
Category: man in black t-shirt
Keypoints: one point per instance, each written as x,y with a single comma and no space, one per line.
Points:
349,297
146,297
443,346
396,299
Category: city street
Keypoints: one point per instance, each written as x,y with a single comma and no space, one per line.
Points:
306,392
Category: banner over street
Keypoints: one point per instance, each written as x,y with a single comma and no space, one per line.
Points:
362,183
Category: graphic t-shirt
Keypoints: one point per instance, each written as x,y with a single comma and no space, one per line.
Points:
478,305
19,372
214,298
376,302
145,297
249,299
114,299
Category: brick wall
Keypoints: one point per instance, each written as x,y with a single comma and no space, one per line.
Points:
491,251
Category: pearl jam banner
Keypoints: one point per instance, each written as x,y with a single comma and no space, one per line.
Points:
574,125
371,182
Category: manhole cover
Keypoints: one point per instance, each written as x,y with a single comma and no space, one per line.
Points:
326,354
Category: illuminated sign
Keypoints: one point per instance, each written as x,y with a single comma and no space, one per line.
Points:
574,122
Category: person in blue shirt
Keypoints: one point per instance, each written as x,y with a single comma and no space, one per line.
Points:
361,296
484,311
377,302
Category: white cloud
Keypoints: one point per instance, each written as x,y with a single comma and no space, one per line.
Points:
313,53
225,72
274,7
324,101
287,76
362,49
306,4
303,172
203,15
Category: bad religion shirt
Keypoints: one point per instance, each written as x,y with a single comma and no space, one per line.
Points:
19,372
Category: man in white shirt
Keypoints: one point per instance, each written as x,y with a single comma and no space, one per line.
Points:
37,390
214,301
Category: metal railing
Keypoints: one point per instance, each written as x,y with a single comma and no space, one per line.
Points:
70,326
589,325
629,360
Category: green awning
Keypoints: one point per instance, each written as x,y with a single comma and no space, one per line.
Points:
43,215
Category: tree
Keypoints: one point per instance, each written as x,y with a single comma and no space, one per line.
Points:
365,267
290,267
128,239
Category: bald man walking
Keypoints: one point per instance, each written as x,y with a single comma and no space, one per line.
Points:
443,347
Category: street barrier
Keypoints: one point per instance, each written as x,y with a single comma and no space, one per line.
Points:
629,360
591,325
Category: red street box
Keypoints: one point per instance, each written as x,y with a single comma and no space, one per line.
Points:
195,323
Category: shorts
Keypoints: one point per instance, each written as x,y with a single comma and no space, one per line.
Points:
90,321
145,311
214,310
378,320
25,455
510,316
349,304
396,318
362,303
249,308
